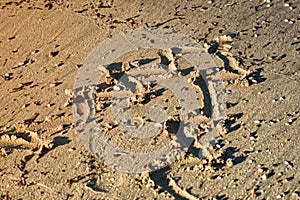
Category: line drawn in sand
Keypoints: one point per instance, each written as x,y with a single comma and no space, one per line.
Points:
132,85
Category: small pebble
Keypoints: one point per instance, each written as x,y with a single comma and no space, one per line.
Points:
255,194
25,105
286,180
264,177
116,88
35,51
282,98
59,64
286,162
8,76
252,138
257,121
260,170
52,84
71,149
53,54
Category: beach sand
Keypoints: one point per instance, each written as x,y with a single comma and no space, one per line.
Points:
43,44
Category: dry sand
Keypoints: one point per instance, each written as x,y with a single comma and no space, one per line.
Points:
42,45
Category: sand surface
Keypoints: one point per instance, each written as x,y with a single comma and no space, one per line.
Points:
44,43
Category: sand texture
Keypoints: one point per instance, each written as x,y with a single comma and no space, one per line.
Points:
255,45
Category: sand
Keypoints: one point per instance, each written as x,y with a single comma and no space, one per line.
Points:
44,44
